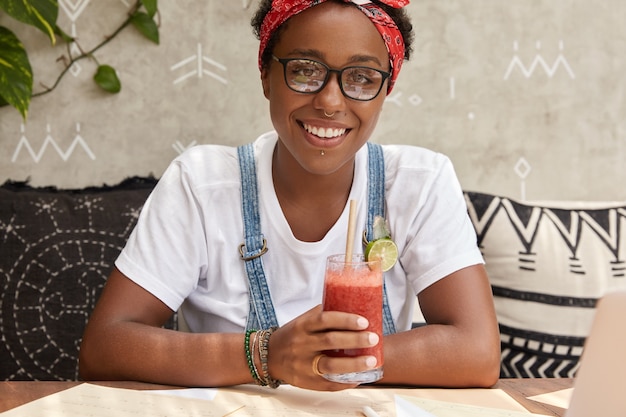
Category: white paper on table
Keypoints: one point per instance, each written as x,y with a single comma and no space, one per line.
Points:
290,401
559,398
433,408
405,408
480,397
207,394
99,401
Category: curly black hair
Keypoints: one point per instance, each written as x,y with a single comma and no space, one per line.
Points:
399,16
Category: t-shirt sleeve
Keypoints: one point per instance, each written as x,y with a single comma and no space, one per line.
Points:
440,238
166,252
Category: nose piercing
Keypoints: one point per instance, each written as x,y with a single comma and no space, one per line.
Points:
329,115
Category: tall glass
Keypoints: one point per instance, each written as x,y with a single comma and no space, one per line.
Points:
356,286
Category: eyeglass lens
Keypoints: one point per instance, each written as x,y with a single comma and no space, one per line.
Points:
307,76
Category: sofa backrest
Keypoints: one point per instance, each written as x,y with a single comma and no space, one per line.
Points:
57,248
548,264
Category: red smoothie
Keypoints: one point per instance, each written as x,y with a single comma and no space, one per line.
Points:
356,290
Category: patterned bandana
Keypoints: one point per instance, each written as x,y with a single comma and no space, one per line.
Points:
282,10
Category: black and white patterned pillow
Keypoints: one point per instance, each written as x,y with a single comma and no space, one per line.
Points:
57,248
548,264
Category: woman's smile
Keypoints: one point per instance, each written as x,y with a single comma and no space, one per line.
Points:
324,132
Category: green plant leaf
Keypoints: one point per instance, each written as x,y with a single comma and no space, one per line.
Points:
146,26
67,38
151,6
16,75
106,78
41,14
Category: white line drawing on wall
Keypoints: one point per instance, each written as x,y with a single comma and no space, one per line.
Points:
560,61
199,70
452,82
49,141
522,169
180,148
452,88
395,99
73,10
414,99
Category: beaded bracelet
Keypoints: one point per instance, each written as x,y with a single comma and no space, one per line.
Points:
264,341
250,357
256,371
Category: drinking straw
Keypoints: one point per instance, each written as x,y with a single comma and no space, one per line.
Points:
351,229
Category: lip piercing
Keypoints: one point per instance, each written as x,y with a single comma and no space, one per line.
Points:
329,115
322,153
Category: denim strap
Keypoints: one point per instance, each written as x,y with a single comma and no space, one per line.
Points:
262,314
376,207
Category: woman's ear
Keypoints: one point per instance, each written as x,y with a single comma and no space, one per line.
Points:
265,82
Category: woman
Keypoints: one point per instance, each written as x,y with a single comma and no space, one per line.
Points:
326,67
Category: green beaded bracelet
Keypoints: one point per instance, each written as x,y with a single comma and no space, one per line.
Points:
250,358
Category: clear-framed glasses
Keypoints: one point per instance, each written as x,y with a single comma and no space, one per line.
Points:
310,76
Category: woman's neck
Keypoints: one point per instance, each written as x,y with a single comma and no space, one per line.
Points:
311,203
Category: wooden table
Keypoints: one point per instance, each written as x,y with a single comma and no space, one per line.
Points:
13,393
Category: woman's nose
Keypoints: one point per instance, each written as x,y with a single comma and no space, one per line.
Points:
330,97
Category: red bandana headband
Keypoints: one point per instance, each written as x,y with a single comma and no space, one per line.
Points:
282,10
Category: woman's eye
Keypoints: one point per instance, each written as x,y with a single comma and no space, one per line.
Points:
360,77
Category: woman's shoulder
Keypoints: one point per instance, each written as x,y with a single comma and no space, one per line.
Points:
215,162
410,157
208,159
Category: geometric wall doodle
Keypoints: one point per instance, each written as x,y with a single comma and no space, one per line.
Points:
197,63
37,155
539,62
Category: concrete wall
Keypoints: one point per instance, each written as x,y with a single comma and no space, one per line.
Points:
528,98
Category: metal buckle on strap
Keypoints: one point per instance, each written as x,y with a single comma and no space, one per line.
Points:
255,255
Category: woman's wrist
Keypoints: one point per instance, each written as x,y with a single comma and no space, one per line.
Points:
256,347
264,345
250,344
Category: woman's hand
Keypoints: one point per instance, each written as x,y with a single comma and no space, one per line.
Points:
294,347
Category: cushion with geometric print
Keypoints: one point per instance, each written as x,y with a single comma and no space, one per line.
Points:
548,264
57,248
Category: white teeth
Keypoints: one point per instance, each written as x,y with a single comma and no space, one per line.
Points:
324,132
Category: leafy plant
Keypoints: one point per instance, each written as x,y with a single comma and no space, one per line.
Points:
16,75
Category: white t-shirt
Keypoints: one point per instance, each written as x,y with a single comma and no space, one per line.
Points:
185,247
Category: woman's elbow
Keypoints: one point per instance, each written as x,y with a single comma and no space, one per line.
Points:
85,369
88,363
487,365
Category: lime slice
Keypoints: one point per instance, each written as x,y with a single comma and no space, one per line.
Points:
384,249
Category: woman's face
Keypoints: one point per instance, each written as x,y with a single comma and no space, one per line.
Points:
337,36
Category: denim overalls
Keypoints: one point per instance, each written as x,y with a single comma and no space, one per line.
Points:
262,315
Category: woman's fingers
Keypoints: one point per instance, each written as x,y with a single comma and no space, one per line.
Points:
320,320
337,339
297,348
341,365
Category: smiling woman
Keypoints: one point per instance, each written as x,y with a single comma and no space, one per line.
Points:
254,308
